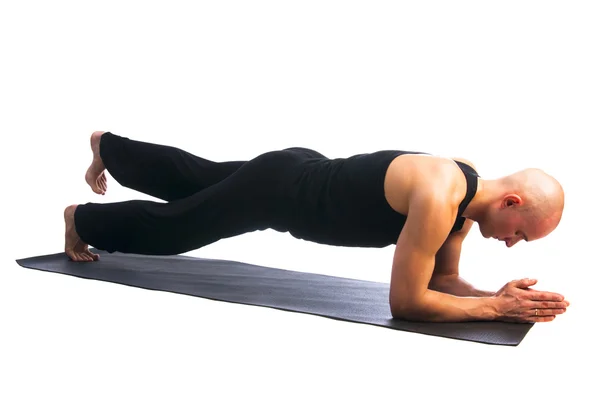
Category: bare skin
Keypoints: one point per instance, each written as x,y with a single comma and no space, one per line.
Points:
425,283
75,248
95,176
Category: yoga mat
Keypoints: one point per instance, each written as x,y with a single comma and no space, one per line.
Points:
333,297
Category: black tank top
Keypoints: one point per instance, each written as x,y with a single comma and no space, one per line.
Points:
342,202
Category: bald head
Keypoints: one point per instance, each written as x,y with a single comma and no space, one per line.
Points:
526,205
539,198
542,194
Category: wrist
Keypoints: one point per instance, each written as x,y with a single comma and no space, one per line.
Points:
491,310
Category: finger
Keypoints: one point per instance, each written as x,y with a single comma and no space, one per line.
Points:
546,304
534,319
544,296
524,283
541,318
546,312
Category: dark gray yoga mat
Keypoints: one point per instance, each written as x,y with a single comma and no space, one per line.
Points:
333,297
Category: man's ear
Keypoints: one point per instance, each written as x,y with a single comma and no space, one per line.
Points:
511,200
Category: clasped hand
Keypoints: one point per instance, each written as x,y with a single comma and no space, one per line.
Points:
516,302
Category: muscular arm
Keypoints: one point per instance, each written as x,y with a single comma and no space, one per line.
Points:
430,219
445,276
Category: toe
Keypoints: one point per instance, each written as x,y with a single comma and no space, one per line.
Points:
92,256
101,184
87,255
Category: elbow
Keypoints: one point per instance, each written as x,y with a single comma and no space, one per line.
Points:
408,309
397,308
408,314
398,313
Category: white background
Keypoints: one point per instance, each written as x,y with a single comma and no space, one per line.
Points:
505,84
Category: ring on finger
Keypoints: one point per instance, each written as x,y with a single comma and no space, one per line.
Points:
536,312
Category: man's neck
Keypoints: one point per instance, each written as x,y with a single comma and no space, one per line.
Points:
483,197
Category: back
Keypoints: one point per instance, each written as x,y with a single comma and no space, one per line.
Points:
342,201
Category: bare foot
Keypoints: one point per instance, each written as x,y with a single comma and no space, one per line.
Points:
95,176
75,248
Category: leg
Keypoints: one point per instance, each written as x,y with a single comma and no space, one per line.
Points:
250,199
160,171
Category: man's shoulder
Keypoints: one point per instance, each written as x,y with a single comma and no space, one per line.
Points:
424,179
465,161
442,181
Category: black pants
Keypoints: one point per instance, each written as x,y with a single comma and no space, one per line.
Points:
206,201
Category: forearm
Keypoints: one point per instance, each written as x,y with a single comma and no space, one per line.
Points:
457,286
436,306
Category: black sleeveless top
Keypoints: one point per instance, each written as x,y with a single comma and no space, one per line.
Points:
342,202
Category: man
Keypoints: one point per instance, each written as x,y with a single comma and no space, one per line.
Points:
423,204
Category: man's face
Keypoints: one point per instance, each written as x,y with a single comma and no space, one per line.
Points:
505,225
